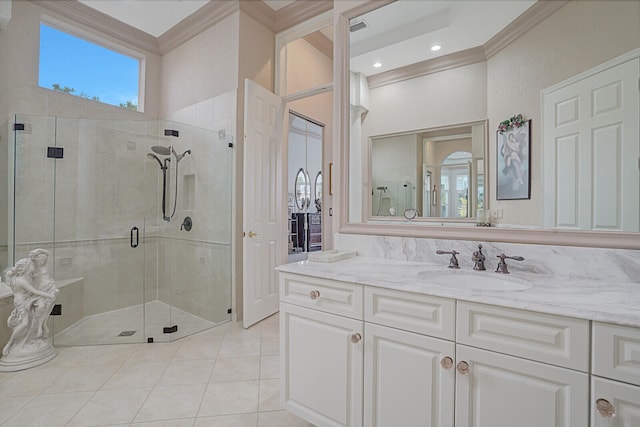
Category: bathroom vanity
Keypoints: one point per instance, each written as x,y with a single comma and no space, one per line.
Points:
377,342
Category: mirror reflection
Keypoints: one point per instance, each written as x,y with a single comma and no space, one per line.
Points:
318,192
303,189
421,66
439,173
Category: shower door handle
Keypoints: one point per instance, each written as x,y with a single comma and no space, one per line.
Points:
134,243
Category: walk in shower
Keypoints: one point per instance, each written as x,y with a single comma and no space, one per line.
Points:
136,216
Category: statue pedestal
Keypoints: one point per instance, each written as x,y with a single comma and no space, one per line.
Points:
35,353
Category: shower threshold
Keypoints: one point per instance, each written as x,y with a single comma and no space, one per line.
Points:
113,327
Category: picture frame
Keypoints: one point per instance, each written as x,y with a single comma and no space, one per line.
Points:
513,160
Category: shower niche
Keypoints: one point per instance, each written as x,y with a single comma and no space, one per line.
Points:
111,212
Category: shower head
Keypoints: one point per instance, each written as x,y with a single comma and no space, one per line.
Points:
178,158
163,151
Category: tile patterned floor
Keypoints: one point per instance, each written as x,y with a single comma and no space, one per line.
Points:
223,377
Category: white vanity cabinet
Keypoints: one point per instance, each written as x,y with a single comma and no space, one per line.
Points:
354,355
409,377
520,368
337,370
497,390
321,353
615,384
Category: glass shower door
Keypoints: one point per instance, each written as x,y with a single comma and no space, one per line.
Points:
188,242
99,219
31,178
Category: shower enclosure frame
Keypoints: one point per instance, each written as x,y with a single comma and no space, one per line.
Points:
155,239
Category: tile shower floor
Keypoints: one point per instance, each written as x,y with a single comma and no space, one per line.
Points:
225,376
105,328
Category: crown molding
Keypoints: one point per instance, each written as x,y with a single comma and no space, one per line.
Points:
320,42
261,12
537,13
299,11
199,21
430,66
111,27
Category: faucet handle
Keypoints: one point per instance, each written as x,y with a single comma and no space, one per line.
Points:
453,262
502,264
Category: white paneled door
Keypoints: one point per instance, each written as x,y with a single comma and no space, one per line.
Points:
591,150
264,244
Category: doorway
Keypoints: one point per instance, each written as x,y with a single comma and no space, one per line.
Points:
304,186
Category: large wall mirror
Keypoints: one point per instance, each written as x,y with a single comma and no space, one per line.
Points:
416,68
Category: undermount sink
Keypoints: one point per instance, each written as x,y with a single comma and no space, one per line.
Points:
480,280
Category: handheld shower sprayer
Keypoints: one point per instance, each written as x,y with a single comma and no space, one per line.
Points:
167,151
181,156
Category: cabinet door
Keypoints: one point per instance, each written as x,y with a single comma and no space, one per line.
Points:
620,404
505,391
321,366
405,383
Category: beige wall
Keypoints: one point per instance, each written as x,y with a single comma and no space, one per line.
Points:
445,98
306,67
201,68
578,37
19,90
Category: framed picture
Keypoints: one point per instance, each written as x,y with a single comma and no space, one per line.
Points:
514,163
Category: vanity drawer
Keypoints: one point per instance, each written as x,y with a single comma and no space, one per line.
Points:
558,340
616,352
330,296
418,313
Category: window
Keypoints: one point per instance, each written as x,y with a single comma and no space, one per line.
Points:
82,68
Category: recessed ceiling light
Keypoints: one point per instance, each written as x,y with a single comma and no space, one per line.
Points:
436,47
377,65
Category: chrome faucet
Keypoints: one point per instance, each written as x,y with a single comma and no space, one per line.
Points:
502,264
453,262
478,259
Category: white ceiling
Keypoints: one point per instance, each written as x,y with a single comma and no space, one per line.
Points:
398,34
402,33
157,16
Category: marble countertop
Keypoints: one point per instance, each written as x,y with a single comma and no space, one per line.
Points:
580,298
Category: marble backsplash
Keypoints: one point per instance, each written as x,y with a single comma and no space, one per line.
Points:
560,261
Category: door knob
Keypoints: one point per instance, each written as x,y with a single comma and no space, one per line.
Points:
605,408
446,362
463,367
252,234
